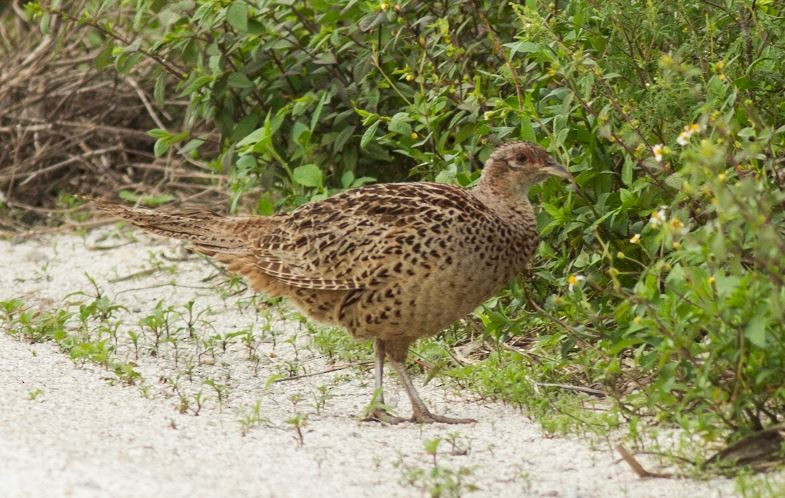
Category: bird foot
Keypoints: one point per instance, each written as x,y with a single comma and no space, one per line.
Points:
426,417
381,415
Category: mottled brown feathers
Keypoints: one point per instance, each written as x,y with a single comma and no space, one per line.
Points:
423,254
391,261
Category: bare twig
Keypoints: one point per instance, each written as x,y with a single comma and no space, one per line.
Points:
322,372
570,387
637,467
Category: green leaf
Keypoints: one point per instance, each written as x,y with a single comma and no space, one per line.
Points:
104,57
527,130
369,135
300,133
318,111
342,138
239,80
245,126
159,90
372,20
326,58
347,178
399,123
191,146
265,206
237,16
158,133
726,285
246,163
756,328
308,175
252,138
196,84
431,446
626,171
522,46
161,147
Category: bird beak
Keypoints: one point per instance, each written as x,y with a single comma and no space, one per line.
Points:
556,169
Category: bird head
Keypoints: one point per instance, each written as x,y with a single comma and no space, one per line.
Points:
516,166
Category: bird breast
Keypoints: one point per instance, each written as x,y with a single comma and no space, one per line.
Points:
438,280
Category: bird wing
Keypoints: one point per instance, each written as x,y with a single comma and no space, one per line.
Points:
346,241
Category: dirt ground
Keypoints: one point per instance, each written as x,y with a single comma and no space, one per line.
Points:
204,419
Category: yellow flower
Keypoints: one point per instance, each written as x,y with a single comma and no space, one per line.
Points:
712,280
677,245
414,135
722,177
637,320
676,224
573,280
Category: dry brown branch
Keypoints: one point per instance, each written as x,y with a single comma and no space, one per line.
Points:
68,127
636,466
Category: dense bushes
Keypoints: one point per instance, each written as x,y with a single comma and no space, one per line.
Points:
659,278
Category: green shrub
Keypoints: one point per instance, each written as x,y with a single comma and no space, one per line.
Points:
661,272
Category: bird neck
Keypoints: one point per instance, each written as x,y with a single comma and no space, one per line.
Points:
511,203
495,191
496,181
516,213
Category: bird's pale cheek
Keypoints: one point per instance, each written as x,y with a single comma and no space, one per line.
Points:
523,188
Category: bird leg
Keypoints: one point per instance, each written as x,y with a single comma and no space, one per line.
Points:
377,411
420,412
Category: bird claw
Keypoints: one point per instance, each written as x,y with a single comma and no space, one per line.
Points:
383,416
430,418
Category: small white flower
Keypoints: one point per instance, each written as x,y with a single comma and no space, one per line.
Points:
635,238
657,151
687,132
658,217
573,280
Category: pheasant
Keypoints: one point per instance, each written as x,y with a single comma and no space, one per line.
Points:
391,262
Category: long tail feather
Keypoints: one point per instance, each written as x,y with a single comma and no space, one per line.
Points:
210,233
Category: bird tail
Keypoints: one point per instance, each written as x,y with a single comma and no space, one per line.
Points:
210,233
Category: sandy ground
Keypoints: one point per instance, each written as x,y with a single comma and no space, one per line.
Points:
73,429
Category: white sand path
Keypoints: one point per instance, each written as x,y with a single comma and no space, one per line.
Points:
85,434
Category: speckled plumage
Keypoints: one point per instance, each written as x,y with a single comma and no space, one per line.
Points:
393,262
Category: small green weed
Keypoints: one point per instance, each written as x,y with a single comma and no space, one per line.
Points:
437,481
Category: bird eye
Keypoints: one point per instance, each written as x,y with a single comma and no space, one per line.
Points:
521,157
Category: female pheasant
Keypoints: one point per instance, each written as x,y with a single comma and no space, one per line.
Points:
393,262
